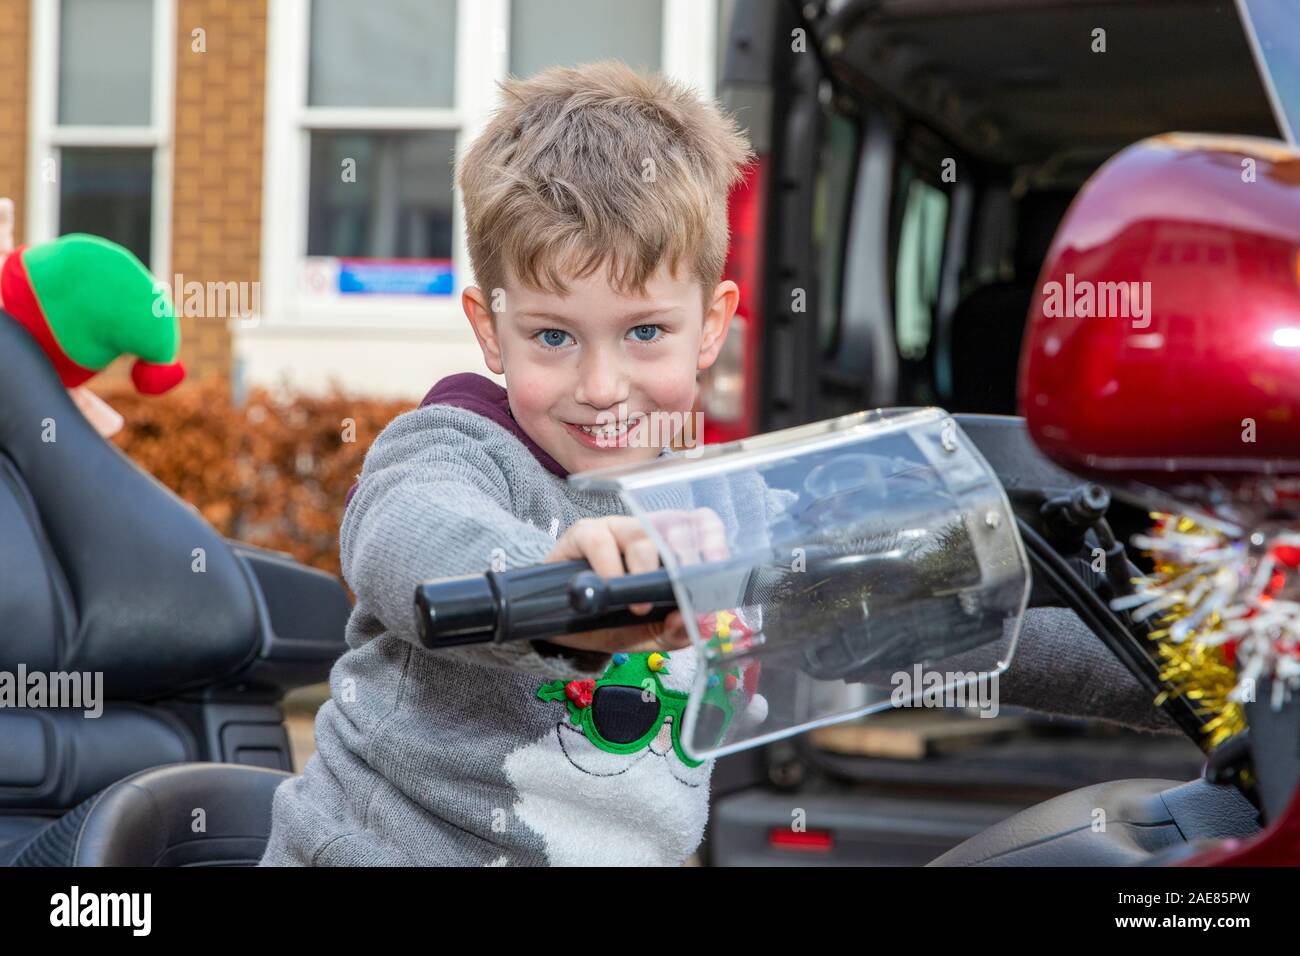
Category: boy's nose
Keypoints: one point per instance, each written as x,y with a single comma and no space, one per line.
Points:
602,386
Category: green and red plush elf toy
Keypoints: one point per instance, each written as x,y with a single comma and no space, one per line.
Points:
86,301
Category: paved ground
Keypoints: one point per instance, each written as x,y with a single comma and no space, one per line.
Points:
302,738
300,720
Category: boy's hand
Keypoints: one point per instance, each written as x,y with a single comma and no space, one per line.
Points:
619,545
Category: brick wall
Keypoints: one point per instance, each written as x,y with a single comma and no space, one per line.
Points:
217,171
15,34
217,159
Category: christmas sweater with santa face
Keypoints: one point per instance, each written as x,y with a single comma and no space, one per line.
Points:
507,754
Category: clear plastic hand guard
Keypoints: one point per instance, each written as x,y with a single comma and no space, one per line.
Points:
865,560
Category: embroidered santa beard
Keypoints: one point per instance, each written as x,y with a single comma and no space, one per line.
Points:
594,808
594,805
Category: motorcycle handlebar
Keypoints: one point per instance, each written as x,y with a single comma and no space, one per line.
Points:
535,602
568,598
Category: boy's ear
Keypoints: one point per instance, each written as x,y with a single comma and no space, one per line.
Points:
717,320
481,321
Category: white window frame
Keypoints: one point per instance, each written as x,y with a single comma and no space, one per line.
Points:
482,61
289,124
690,43
47,137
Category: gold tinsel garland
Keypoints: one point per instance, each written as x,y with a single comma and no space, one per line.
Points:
1221,623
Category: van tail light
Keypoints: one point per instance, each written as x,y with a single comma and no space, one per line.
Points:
807,841
729,389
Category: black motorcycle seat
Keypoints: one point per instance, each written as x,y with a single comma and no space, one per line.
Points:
1120,823
188,814
104,569
17,828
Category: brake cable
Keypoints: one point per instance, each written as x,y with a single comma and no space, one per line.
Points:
1093,611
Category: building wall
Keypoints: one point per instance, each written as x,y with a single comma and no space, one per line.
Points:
216,175
14,44
391,365
217,171
215,152
398,345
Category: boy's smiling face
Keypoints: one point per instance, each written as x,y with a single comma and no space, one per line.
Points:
597,357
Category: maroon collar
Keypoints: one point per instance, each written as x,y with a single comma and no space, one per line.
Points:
482,396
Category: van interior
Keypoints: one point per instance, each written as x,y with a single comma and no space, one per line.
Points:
922,155
915,158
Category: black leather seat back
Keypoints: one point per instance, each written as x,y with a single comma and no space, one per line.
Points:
101,567
53,759
33,602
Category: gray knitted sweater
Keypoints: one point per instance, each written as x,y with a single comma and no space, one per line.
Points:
453,757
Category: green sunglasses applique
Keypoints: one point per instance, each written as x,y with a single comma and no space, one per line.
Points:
622,711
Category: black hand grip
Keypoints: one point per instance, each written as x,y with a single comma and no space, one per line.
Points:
535,602
569,598
590,594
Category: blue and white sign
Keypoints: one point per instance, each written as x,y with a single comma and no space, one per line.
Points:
395,277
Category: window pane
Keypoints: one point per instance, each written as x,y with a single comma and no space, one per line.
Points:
726,8
382,53
831,204
920,257
398,205
568,32
108,192
105,62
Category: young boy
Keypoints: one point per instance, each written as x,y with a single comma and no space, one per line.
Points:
595,206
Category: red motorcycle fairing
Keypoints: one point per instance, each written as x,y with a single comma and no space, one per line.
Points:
1163,341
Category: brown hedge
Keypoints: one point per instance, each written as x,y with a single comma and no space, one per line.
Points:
273,471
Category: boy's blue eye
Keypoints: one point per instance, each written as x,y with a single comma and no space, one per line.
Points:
553,338
646,333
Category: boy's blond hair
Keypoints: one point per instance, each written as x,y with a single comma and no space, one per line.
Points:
600,165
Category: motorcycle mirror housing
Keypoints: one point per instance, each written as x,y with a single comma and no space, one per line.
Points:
1163,342
1162,357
